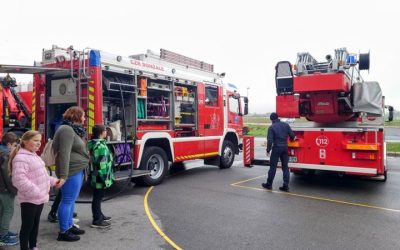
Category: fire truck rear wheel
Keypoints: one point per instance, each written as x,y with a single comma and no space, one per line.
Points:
227,155
154,159
384,176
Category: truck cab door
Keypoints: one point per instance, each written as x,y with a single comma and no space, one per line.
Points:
235,112
211,120
213,110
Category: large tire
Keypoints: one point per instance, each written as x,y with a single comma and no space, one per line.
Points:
384,178
155,160
227,155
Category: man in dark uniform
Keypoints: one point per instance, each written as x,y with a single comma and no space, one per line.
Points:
277,136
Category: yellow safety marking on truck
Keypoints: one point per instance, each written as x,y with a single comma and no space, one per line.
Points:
91,124
153,222
187,157
33,115
236,184
371,147
210,154
91,106
91,114
294,144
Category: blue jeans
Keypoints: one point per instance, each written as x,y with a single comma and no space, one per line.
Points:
282,153
70,192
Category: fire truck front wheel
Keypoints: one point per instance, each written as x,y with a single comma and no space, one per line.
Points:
227,155
154,159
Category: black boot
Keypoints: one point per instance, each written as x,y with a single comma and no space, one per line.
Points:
67,236
52,217
100,224
76,230
106,218
284,188
266,186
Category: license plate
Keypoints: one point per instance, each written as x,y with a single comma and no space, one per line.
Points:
292,158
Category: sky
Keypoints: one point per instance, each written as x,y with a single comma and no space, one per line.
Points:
244,39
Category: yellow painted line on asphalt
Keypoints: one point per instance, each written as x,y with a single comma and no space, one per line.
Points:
154,224
240,182
236,184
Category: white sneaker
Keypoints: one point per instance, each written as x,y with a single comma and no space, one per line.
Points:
75,220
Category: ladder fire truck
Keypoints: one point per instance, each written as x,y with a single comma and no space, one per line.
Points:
15,107
170,108
346,129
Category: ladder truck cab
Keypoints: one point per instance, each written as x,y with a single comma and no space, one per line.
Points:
15,107
158,107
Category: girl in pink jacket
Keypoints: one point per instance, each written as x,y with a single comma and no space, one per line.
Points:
30,177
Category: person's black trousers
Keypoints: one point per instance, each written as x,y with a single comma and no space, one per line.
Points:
56,203
98,195
30,217
282,153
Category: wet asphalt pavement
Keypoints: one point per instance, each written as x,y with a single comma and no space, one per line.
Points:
208,208
203,207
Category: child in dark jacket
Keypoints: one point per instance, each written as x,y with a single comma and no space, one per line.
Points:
7,190
101,176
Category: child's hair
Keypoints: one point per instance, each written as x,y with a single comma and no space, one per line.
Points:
9,137
98,130
25,137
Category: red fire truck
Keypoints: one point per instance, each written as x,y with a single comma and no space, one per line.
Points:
159,108
15,107
345,133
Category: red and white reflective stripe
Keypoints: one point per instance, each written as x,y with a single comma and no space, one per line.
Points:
247,153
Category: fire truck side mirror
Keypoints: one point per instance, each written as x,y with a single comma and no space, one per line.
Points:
391,110
246,105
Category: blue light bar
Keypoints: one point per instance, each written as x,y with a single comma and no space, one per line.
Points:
94,58
351,59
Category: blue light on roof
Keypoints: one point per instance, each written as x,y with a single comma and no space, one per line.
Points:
94,58
351,59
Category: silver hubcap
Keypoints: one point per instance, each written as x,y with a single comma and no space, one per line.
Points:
156,165
228,155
